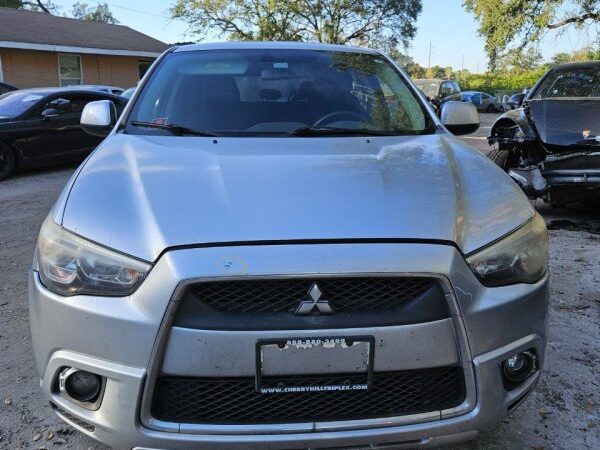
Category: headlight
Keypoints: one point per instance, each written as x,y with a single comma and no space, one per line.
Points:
71,265
521,257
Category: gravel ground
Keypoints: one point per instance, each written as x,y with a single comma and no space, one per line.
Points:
562,413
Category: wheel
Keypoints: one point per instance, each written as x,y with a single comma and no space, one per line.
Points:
7,161
500,156
490,109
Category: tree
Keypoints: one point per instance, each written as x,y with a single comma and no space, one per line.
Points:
507,24
436,72
330,21
243,20
34,5
520,60
588,53
100,13
414,70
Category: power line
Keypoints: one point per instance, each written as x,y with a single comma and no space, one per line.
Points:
162,16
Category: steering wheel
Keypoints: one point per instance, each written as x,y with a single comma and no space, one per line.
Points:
328,118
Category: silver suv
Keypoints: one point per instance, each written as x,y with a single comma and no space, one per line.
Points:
280,246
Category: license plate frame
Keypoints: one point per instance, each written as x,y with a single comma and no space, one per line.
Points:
319,341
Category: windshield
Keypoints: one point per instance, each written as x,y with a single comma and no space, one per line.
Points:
429,87
13,104
250,92
574,81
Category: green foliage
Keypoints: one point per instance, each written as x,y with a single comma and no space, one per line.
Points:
98,13
509,24
585,54
494,82
414,70
517,71
387,23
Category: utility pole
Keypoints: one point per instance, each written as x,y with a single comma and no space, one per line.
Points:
462,66
429,61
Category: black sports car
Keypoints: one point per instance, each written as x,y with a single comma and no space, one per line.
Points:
41,127
551,145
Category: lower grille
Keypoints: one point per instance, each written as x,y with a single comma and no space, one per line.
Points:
75,420
235,400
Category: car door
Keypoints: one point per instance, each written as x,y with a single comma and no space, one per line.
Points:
55,132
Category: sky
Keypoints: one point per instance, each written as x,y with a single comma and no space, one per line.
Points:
445,24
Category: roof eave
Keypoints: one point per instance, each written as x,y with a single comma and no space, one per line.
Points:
72,49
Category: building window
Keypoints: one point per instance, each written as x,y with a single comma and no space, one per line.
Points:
69,70
143,67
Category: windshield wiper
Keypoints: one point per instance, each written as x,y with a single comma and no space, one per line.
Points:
332,131
176,130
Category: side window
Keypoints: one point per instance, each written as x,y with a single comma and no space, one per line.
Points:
79,102
456,87
60,106
69,104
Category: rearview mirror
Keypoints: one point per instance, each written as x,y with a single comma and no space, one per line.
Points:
460,117
98,118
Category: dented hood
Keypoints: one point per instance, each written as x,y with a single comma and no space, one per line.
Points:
144,194
561,123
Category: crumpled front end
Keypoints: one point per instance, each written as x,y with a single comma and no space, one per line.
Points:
551,148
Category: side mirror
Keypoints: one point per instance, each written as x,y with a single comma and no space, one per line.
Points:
98,118
520,99
460,117
49,112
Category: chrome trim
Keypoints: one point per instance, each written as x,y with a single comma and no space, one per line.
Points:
158,353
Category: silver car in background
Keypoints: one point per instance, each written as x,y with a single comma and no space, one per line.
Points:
280,246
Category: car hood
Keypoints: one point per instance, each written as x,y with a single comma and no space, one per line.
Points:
566,122
144,194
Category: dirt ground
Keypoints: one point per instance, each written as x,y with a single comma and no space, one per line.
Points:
562,413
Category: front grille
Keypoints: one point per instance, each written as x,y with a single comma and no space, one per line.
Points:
283,295
235,400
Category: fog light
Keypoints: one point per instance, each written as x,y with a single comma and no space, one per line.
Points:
518,367
79,385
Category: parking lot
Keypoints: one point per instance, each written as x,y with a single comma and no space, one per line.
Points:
563,412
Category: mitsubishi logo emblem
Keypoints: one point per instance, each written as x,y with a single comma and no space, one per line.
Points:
314,303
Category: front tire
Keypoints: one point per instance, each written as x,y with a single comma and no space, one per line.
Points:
500,156
7,161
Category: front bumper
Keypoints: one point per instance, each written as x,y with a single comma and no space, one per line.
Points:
127,341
